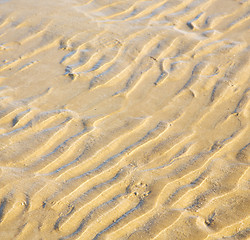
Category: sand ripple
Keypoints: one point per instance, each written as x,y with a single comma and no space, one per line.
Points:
124,119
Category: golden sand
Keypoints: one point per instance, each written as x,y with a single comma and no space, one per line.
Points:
124,119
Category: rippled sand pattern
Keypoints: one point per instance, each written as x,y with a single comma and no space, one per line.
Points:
124,119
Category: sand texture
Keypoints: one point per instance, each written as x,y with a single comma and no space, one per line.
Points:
124,119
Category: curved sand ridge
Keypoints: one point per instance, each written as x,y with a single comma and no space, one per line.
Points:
124,119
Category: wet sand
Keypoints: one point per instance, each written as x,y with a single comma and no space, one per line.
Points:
124,119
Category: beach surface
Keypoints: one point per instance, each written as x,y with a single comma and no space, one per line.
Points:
124,119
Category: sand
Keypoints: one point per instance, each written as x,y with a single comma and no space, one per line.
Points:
124,119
